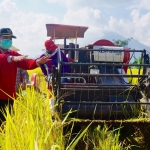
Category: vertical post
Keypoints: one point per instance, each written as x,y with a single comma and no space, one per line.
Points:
145,62
76,52
142,57
76,38
59,75
65,46
54,35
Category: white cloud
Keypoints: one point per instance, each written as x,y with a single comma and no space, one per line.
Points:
135,14
55,1
135,27
86,3
140,4
30,27
7,6
31,31
85,16
93,18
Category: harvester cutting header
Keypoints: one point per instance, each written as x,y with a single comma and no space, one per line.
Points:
97,87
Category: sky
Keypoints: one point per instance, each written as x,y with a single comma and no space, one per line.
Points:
28,19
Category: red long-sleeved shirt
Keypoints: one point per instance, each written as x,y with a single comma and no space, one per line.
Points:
8,74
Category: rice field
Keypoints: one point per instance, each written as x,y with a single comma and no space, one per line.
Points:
32,126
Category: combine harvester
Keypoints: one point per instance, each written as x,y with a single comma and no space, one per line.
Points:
97,87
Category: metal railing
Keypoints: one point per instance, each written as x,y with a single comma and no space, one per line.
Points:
115,88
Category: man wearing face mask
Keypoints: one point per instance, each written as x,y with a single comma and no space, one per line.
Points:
8,71
6,36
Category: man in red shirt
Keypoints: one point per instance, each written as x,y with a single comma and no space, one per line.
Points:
8,70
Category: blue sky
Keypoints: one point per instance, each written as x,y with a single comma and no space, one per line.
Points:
27,19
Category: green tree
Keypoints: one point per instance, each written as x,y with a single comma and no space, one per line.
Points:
123,43
136,61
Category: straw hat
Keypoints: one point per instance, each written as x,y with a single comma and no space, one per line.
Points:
14,48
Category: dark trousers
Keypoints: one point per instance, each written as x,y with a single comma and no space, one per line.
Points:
3,105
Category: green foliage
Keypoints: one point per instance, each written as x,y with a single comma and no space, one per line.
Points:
138,60
101,137
105,139
123,43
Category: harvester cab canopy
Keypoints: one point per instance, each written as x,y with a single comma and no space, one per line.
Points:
60,31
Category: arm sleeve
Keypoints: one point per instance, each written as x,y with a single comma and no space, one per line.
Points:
27,64
14,53
4,58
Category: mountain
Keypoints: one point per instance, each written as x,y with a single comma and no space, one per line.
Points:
133,44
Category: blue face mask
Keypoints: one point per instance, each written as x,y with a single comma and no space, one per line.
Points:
6,43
